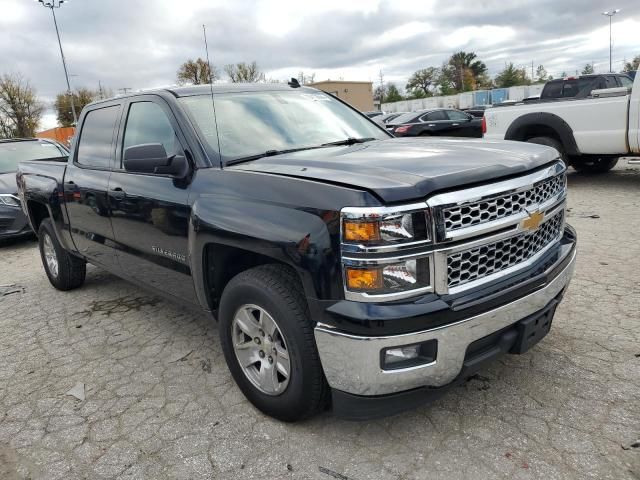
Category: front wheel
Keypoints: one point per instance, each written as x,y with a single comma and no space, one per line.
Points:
268,343
550,142
594,165
65,272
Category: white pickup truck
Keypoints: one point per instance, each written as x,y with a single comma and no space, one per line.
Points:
590,133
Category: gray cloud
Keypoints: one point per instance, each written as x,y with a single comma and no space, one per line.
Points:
131,43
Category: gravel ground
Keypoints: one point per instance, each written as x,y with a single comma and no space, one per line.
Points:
160,402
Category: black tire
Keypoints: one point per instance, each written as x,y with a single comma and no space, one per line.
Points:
71,270
276,289
594,165
551,142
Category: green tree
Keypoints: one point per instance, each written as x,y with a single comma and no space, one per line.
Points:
444,83
588,69
511,76
20,109
393,94
632,65
244,72
467,72
422,82
62,104
196,72
541,73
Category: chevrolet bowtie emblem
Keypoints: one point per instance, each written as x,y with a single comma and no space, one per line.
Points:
533,221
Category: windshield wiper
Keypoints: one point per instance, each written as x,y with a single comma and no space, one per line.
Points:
268,153
271,153
348,141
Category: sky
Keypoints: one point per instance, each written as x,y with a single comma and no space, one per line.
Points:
141,43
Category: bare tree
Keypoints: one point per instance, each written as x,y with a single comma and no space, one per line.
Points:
196,72
244,72
20,109
422,81
81,97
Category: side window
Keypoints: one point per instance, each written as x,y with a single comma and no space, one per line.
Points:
611,82
147,123
552,90
457,116
95,143
434,116
626,82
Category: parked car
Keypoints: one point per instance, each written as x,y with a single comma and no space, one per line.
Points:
437,121
581,86
590,133
338,260
478,111
13,222
382,120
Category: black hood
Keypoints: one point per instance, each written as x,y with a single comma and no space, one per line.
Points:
401,169
8,183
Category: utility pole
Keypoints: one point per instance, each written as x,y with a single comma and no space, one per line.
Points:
531,71
51,4
124,90
610,14
100,92
381,88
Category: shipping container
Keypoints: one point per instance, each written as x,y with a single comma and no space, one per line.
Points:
465,100
499,95
431,102
415,104
517,93
481,97
449,101
535,89
60,134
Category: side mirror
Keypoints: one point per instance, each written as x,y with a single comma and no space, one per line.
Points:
152,158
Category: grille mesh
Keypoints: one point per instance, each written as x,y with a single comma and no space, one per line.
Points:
476,263
501,206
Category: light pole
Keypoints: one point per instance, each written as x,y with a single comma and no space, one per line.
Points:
610,14
52,4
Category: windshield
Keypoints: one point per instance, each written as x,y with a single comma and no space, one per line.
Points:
12,153
251,123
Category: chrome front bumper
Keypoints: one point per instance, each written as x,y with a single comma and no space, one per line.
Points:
352,363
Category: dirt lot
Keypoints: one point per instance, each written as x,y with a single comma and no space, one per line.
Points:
160,402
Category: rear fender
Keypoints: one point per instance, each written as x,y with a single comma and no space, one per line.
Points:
521,127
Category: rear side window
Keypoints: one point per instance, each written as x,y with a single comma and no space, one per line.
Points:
435,116
95,144
626,82
457,116
552,90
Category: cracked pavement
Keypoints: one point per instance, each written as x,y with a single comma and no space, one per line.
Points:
160,402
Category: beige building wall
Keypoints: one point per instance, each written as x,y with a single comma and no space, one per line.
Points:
356,94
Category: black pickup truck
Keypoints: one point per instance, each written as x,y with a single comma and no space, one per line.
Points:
345,267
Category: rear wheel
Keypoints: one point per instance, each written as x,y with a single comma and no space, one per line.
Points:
594,165
65,272
550,142
268,343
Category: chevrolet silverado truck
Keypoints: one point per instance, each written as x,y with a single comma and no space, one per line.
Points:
590,132
345,267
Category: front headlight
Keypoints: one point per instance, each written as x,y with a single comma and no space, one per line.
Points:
383,252
9,200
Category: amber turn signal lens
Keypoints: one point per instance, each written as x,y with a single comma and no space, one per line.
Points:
364,279
361,231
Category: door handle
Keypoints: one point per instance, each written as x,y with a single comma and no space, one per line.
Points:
431,125
455,124
118,193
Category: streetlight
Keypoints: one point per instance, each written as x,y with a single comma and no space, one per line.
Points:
57,4
610,14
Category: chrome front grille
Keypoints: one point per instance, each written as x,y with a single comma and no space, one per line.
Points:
501,206
476,263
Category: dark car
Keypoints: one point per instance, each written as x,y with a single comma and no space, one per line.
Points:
439,121
383,120
477,111
373,114
13,222
581,87
344,266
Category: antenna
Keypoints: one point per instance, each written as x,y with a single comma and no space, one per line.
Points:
213,104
